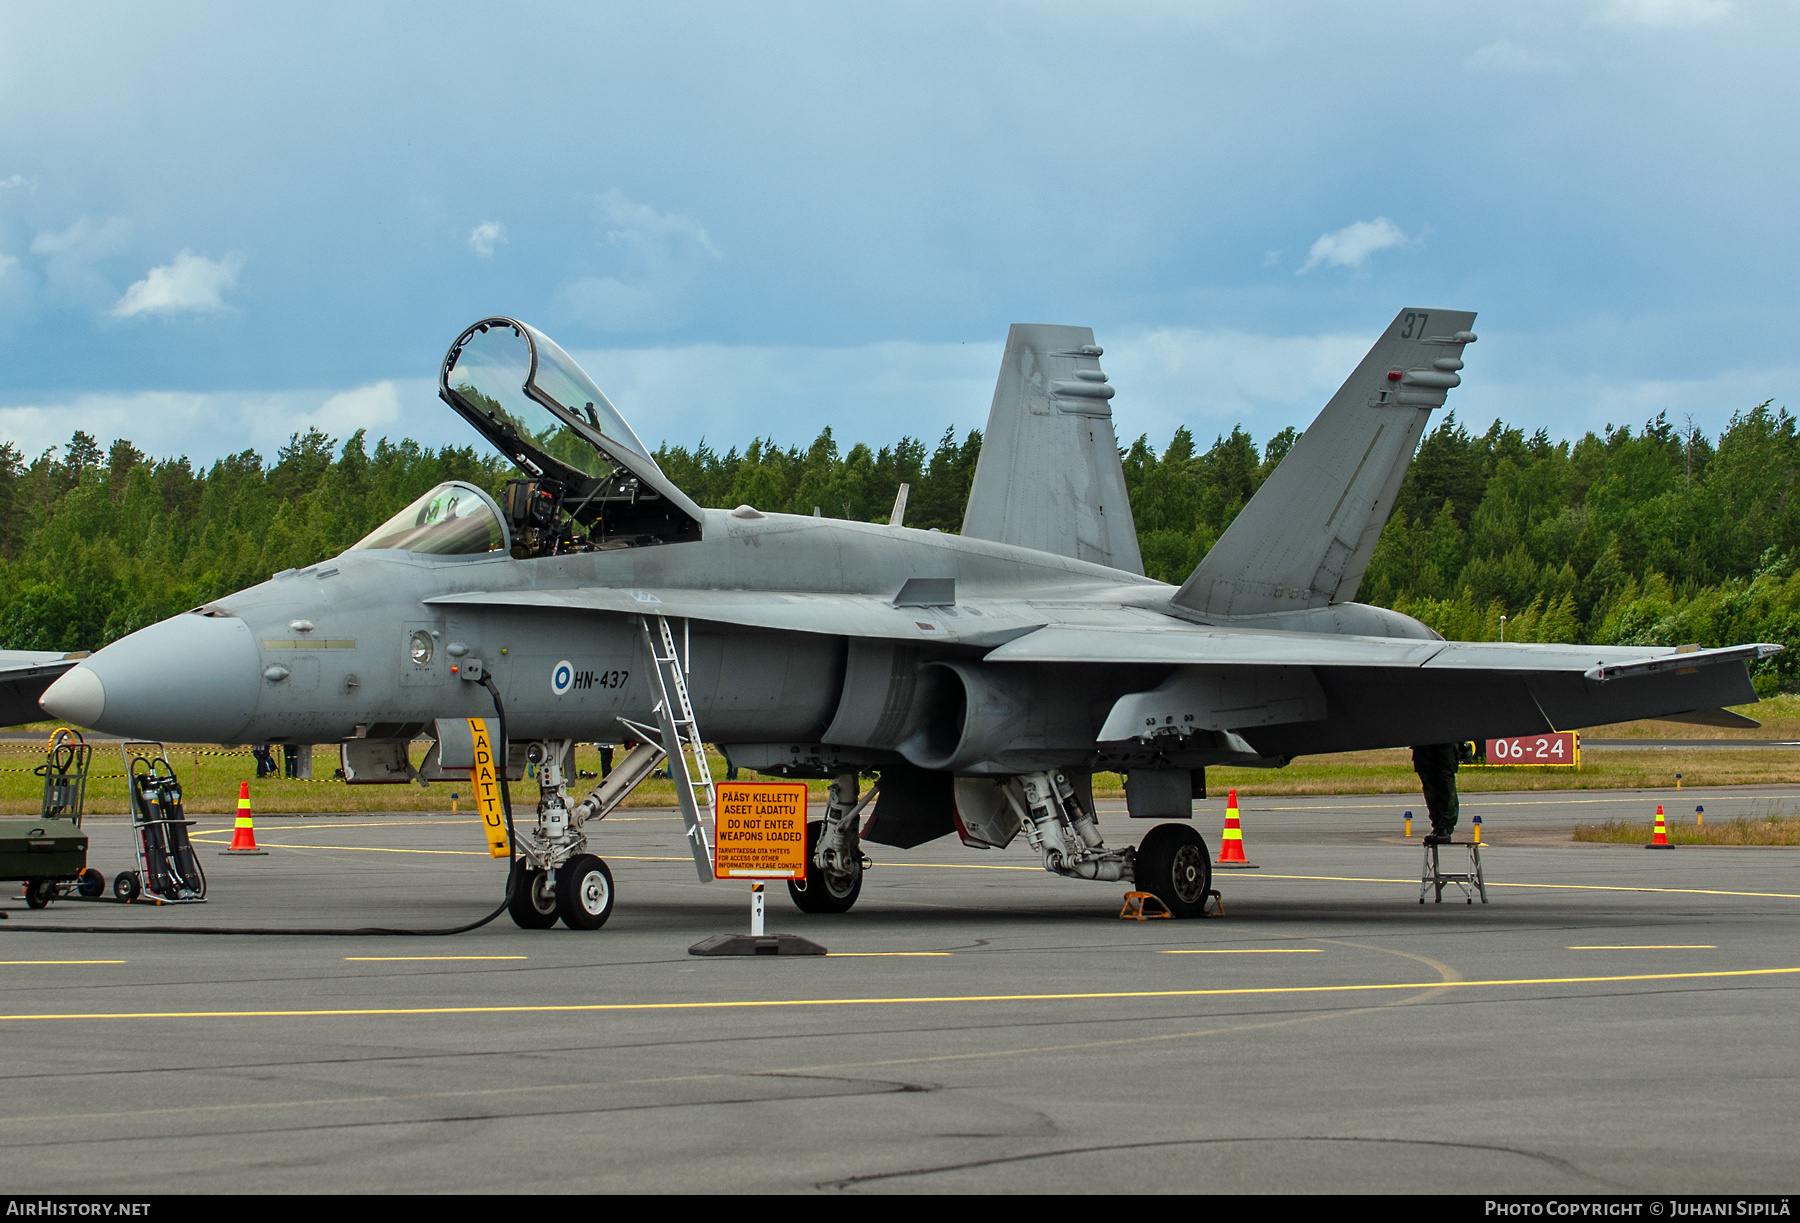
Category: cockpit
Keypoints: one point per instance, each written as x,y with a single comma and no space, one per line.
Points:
590,483
453,519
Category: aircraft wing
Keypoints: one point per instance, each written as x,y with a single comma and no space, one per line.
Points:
1200,646
24,675
1277,688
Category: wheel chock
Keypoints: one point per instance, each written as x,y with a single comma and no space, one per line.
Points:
1142,906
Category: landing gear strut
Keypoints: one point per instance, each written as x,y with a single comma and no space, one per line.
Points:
1063,830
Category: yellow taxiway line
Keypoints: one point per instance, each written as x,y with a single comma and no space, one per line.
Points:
1246,951
1561,887
357,849
408,959
1532,802
982,866
10,963
942,999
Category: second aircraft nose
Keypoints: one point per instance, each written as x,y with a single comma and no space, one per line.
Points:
192,678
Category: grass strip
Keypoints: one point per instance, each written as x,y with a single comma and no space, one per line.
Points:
1744,830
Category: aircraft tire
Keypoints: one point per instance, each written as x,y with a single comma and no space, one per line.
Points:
127,886
584,892
1174,866
818,893
533,906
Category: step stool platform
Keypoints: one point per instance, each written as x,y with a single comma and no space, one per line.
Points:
1433,877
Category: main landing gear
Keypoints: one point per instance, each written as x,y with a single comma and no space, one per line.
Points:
1171,863
834,859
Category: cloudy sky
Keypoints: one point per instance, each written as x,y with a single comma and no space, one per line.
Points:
222,224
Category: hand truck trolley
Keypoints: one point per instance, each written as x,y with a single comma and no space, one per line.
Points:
168,870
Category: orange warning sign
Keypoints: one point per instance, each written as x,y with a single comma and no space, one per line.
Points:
760,830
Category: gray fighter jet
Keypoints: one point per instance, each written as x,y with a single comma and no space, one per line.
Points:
982,677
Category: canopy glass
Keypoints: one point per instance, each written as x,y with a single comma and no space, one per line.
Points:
453,519
527,385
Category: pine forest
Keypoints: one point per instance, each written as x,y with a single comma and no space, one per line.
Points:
1661,536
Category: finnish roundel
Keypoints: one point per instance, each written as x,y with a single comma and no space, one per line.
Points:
561,676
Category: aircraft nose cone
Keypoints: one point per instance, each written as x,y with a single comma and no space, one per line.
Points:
77,696
189,679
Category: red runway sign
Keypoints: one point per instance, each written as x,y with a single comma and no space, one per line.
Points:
1562,747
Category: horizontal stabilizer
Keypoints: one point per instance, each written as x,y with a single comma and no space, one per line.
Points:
1306,537
1049,475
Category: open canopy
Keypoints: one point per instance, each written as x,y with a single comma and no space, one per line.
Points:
532,401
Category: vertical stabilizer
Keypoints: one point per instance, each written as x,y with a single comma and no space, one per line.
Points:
1049,475
1306,537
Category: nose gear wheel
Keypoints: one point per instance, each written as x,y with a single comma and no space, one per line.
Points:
584,892
533,903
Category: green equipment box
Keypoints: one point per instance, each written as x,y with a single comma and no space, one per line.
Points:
32,849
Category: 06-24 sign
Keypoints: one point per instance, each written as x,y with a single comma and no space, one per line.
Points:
1562,747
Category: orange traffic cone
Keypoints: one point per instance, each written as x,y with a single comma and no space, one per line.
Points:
243,837
1661,839
1231,847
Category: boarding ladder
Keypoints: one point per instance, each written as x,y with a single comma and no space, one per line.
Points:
681,740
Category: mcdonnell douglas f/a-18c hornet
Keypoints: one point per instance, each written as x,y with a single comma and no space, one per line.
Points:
982,677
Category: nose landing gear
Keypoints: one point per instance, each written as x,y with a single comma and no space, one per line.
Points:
553,879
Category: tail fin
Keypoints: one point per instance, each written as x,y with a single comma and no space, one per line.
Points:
1049,475
1306,537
